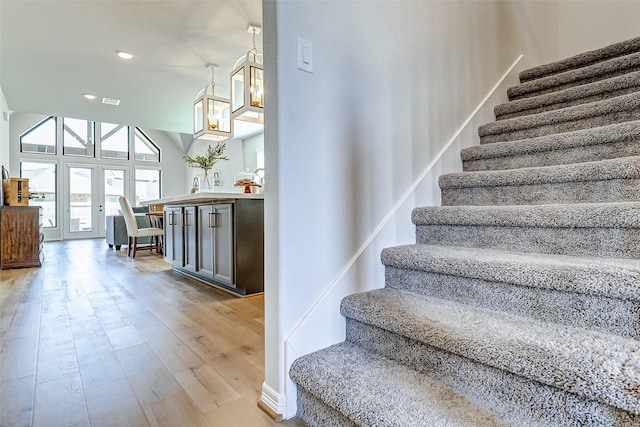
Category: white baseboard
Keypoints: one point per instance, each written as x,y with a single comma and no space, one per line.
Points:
273,400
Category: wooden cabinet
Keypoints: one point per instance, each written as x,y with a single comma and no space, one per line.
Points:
20,237
221,242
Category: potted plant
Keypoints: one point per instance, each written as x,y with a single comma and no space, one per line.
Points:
206,162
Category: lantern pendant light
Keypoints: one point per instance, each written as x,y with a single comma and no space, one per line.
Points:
212,114
247,85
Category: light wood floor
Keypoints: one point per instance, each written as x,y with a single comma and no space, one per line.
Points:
96,338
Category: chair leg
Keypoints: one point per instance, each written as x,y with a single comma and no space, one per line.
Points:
129,245
135,246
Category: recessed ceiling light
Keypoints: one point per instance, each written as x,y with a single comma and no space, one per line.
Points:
124,55
89,96
111,101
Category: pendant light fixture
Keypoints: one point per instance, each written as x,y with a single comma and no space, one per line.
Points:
212,114
247,85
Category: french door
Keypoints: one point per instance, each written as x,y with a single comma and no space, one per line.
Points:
91,193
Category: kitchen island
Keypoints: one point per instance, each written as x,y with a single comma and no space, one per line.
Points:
217,238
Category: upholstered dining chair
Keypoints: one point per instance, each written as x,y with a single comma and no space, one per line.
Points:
134,232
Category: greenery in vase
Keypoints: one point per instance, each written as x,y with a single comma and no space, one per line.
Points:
207,161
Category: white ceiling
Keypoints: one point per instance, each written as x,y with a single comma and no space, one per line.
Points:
51,52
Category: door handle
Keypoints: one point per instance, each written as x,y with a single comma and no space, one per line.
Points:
215,220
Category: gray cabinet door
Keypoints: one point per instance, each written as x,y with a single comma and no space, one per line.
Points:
215,242
223,250
173,253
205,240
189,238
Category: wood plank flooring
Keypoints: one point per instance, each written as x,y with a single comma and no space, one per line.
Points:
96,338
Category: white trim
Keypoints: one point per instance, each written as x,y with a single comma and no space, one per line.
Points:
272,399
287,345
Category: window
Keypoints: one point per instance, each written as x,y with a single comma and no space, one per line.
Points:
77,137
80,199
147,185
42,188
145,149
41,138
113,188
114,140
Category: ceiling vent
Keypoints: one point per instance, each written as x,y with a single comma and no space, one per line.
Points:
111,101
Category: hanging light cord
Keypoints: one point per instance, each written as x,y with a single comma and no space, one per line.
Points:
213,70
254,51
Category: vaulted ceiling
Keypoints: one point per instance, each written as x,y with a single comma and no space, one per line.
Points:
51,52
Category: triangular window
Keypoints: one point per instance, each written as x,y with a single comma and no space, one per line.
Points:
41,138
145,149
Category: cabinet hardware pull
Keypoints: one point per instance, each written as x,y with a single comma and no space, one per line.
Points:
210,224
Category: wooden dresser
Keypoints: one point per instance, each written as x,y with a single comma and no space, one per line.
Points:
20,237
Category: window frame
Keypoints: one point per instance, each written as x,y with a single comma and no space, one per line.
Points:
90,133
148,141
34,127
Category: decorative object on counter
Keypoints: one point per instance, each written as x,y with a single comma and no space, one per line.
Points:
247,85
196,185
247,180
206,182
217,181
259,177
16,191
206,162
212,114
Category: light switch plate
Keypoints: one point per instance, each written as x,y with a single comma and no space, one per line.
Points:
305,55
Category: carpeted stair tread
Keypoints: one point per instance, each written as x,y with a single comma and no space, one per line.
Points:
595,91
616,278
610,141
579,215
576,77
602,170
600,181
608,230
372,390
582,59
598,366
599,113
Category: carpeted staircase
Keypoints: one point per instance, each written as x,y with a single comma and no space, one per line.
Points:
519,305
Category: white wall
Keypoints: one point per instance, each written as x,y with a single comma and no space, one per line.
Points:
250,147
392,83
228,168
241,153
5,157
588,25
